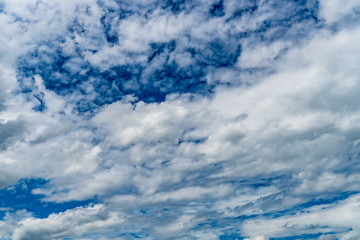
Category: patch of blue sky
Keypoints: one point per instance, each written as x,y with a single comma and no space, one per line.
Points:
328,199
217,9
241,12
231,236
20,197
176,6
2,6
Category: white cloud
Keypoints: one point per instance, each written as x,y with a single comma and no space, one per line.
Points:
148,123
91,219
181,224
338,217
253,131
260,237
245,150
335,10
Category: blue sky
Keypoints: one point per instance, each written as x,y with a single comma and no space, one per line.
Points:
179,119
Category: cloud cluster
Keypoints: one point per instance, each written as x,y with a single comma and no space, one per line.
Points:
181,119
323,218
70,223
93,52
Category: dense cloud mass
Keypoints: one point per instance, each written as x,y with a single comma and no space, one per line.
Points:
179,119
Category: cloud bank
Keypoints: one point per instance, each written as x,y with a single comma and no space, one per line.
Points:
179,119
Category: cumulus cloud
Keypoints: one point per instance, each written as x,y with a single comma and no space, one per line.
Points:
181,119
333,11
70,223
323,218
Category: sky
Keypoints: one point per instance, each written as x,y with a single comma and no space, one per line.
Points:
179,119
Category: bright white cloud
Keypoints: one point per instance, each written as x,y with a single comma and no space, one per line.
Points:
339,217
335,10
76,222
286,130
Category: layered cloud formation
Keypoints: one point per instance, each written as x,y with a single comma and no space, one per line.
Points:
179,119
